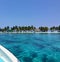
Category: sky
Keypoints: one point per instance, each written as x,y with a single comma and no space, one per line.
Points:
29,12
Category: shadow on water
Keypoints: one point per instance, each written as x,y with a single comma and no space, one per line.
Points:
51,59
16,50
12,41
30,57
39,45
55,49
39,39
33,54
27,59
45,58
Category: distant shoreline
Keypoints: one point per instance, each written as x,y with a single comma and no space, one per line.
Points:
26,32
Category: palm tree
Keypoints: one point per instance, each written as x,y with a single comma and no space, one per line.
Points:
42,29
29,28
53,28
20,28
26,28
46,29
7,28
0,29
33,28
56,28
59,29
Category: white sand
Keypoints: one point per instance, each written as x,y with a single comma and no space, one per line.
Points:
28,32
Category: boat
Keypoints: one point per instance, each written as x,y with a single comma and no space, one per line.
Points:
7,56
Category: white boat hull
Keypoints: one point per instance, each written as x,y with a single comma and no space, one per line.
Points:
7,56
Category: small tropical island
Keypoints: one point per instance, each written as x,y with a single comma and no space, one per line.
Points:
30,29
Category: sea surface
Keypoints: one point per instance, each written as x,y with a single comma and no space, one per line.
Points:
33,47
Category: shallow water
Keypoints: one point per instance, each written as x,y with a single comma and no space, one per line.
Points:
1,60
33,47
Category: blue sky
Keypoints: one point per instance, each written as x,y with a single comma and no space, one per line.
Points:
29,12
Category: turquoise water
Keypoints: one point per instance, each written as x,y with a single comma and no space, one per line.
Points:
1,60
33,47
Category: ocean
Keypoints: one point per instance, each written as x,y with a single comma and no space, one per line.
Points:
33,47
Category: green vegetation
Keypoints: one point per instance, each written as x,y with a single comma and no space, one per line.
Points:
43,29
29,29
55,29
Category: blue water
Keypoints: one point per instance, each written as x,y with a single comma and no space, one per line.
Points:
33,47
1,60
